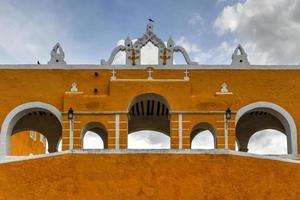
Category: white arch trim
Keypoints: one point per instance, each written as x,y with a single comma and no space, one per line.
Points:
14,115
283,116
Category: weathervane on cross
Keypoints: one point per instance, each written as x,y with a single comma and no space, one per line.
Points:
150,20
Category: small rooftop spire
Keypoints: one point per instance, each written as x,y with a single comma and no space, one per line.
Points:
150,26
239,56
170,42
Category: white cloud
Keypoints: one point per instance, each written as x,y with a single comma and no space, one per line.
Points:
269,30
203,140
196,19
24,37
193,50
148,140
268,142
92,141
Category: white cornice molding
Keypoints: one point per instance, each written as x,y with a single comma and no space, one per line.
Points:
128,67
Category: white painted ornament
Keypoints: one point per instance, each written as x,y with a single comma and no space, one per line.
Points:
224,88
74,87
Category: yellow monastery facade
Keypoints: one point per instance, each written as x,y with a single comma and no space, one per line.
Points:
57,103
177,100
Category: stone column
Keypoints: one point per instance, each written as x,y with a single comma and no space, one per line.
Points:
117,131
180,131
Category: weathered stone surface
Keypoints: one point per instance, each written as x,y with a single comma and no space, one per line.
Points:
149,176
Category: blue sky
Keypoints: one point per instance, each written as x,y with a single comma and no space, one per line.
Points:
210,30
89,30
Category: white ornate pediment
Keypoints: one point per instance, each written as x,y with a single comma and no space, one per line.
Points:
133,50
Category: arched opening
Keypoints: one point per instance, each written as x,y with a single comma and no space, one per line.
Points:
263,116
94,136
149,120
149,54
269,142
36,116
203,136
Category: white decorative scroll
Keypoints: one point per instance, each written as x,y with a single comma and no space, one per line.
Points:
185,55
113,55
57,55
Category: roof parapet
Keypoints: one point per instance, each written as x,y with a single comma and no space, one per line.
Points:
133,50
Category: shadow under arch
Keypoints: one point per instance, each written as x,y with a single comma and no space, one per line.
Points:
149,111
99,129
265,115
203,126
36,116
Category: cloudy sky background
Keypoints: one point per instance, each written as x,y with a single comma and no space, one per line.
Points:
210,30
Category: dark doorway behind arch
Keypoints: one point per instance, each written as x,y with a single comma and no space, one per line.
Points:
148,121
149,112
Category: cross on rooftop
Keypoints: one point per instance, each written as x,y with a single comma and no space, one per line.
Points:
113,77
186,77
133,57
150,71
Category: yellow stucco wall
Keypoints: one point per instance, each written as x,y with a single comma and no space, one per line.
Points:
248,86
23,145
149,176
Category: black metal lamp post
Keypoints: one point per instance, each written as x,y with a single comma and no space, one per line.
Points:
71,120
227,117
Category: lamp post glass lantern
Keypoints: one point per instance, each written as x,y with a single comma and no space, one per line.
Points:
228,113
70,114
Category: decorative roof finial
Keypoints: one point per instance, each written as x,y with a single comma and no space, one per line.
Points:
128,43
57,55
150,25
239,57
170,43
